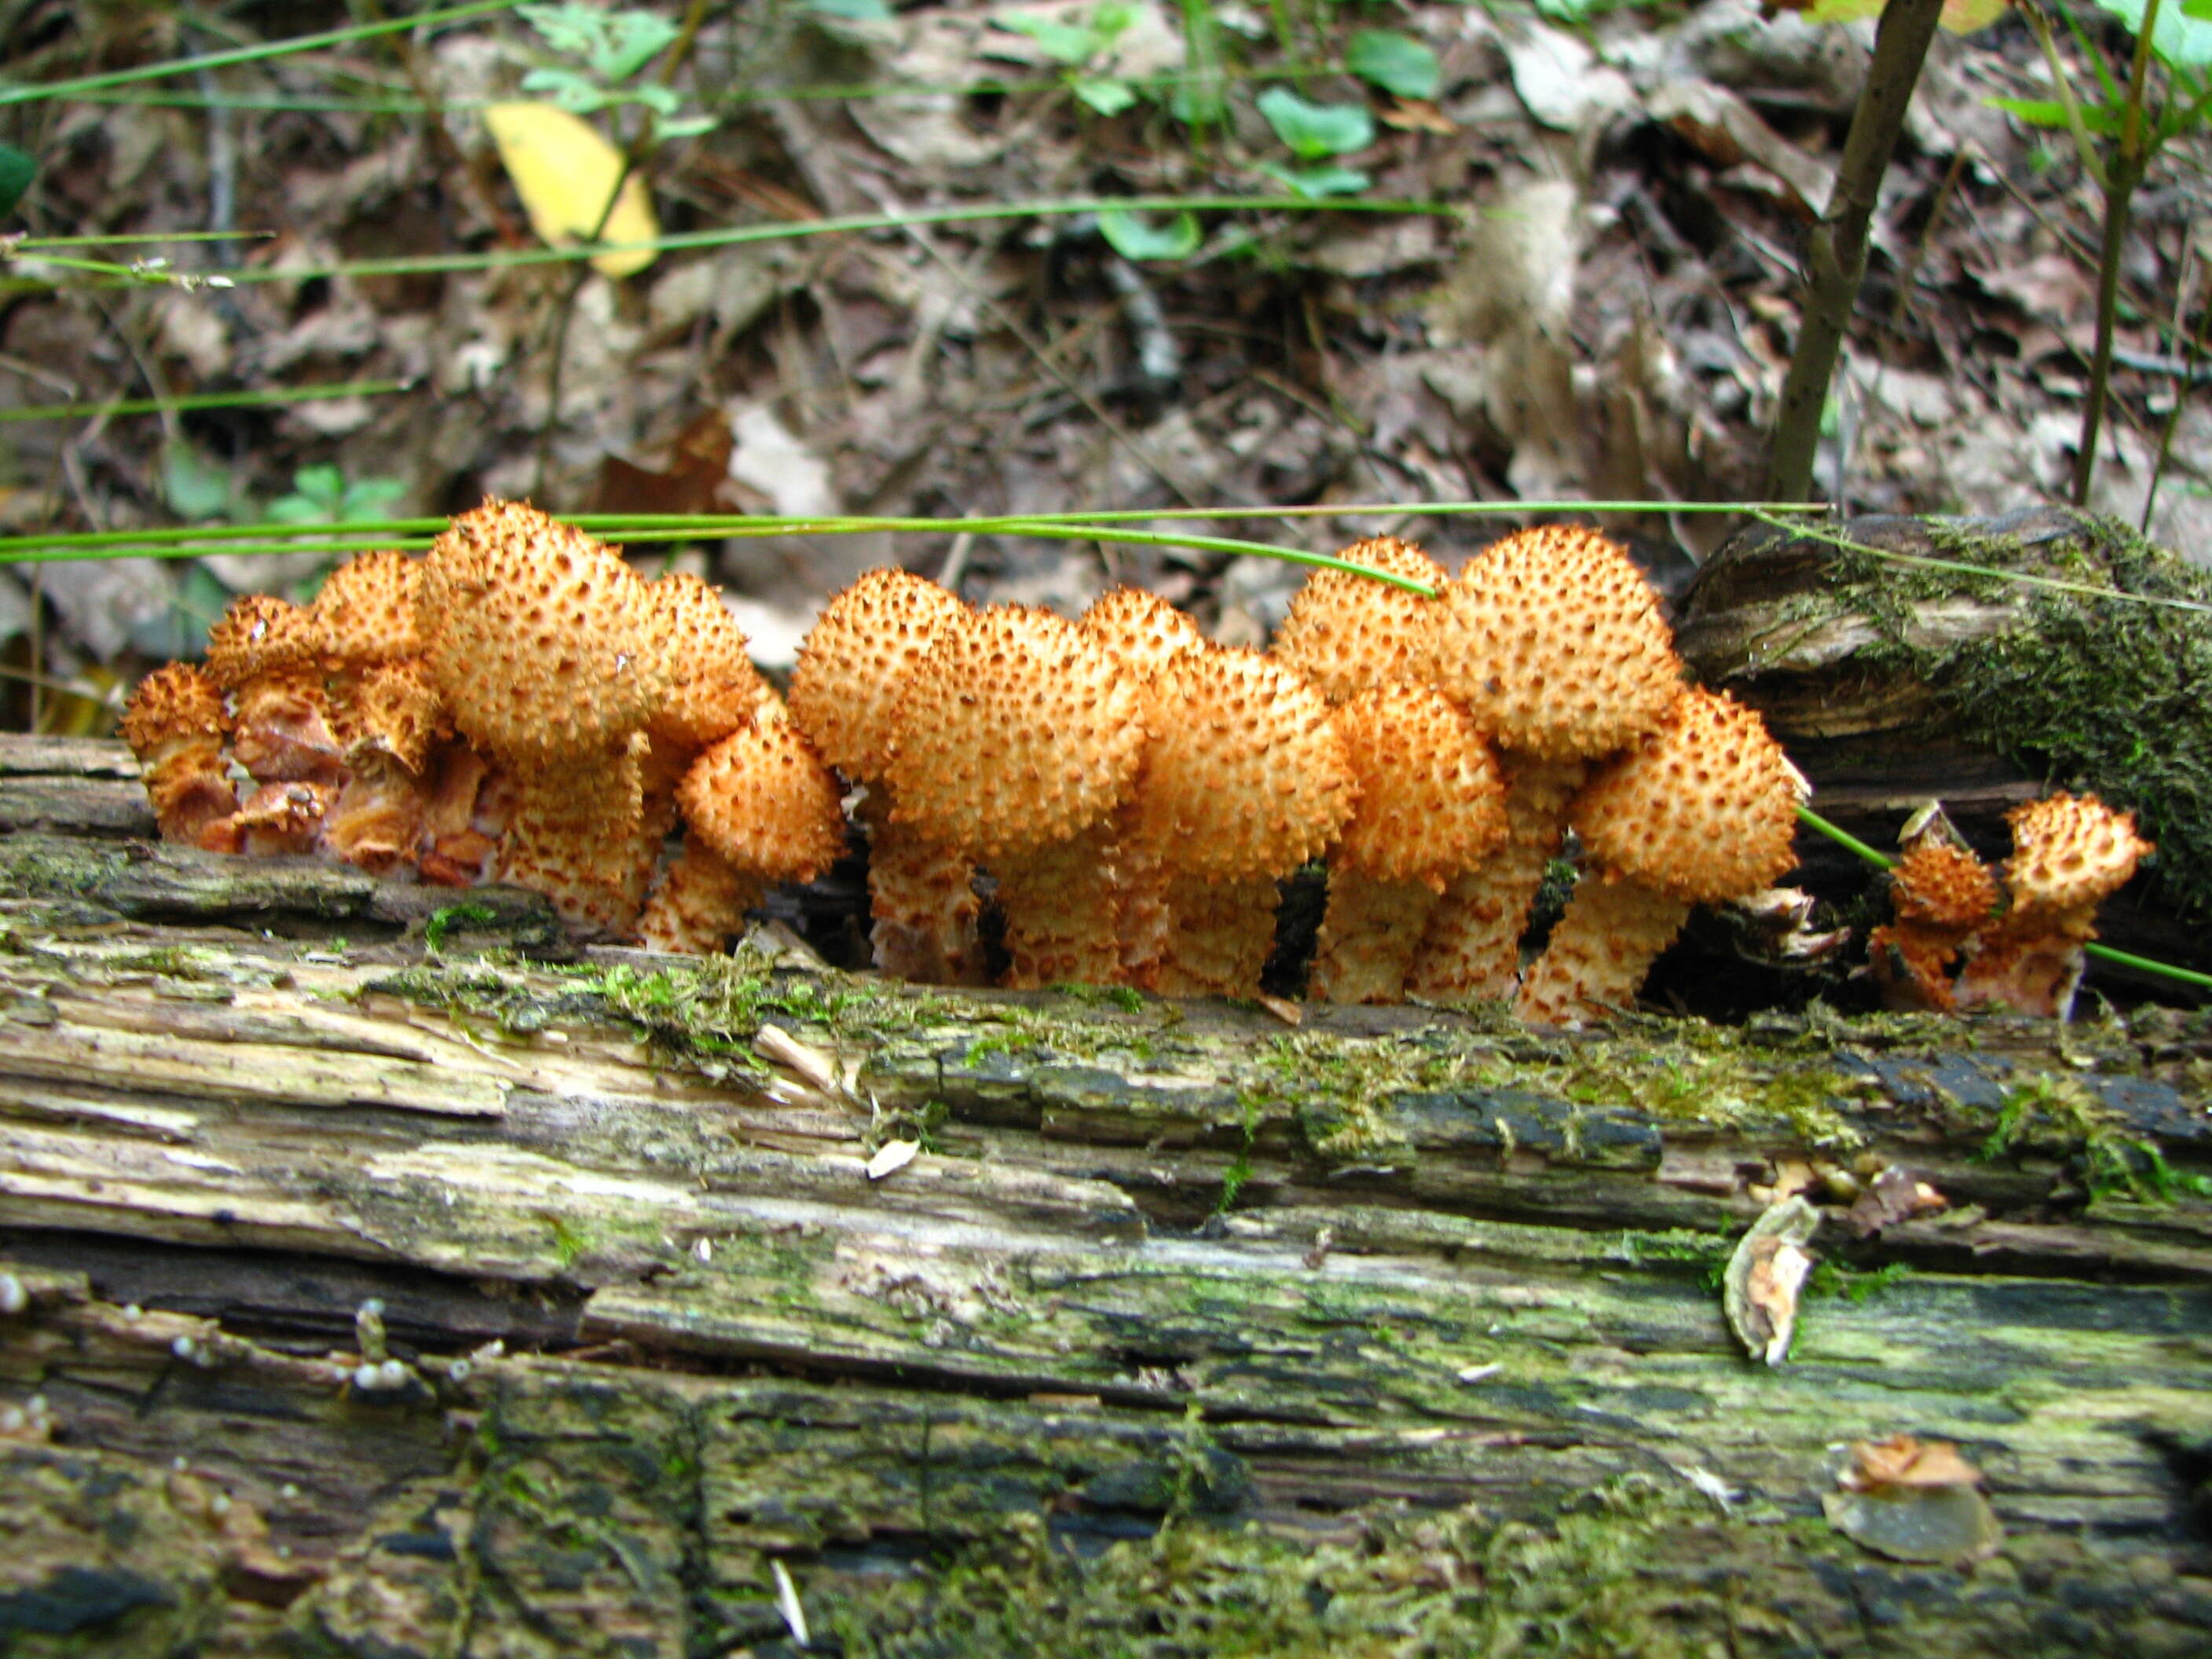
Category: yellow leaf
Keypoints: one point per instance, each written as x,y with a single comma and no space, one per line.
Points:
564,172
1965,16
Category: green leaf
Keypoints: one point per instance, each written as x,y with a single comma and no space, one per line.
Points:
16,171
1107,97
1398,64
571,89
2183,35
852,11
194,487
2196,9
1314,131
2050,112
1314,184
1134,237
577,30
1063,43
635,39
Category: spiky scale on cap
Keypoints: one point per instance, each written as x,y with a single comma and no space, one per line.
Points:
1703,808
761,800
1246,774
1144,632
1345,633
1431,797
1553,640
259,633
855,661
713,686
1017,730
367,608
536,636
2069,852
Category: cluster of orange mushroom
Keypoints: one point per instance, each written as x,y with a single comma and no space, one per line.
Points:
520,706
1962,939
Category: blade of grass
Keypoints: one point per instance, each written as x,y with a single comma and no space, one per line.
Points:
434,263
274,396
1925,561
21,243
33,92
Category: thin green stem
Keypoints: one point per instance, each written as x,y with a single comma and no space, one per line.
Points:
1925,561
33,243
278,395
267,49
1845,839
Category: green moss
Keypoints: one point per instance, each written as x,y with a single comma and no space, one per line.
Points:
2100,693
2059,1115
1619,1576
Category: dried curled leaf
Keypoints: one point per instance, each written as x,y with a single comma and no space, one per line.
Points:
1765,1274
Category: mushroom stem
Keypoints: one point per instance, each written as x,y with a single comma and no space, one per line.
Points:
1613,929
924,904
1061,902
1219,932
1368,935
1471,946
701,900
574,837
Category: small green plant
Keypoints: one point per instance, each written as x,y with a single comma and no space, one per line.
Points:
612,48
1076,47
2117,131
1398,64
323,494
1316,134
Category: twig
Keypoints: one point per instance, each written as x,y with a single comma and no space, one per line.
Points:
1835,259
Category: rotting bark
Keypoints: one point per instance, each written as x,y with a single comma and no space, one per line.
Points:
1156,1261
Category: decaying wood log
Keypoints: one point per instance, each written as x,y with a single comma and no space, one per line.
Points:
1898,664
372,1283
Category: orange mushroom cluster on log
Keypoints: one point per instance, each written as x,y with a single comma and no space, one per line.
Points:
520,706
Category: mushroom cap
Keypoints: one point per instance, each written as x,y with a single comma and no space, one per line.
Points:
713,686
538,636
1431,796
1017,729
395,710
367,609
1345,633
1553,640
761,800
1940,883
1143,630
2069,852
1246,774
1702,809
259,633
855,663
176,704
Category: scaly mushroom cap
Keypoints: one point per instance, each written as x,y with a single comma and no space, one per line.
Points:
538,636
1143,630
713,684
1553,640
1942,884
1246,774
2069,852
395,710
367,610
175,707
1431,797
1702,809
1018,729
259,633
761,800
1345,633
855,661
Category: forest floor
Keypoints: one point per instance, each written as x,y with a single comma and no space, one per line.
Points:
1605,312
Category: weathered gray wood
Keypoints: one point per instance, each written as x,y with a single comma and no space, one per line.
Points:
1157,1260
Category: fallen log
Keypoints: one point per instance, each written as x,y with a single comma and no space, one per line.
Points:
378,1277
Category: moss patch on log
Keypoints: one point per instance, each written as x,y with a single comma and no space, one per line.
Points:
2103,694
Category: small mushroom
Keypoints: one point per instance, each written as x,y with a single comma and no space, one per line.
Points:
1018,736
1552,641
268,654
1703,810
175,725
2069,854
854,670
